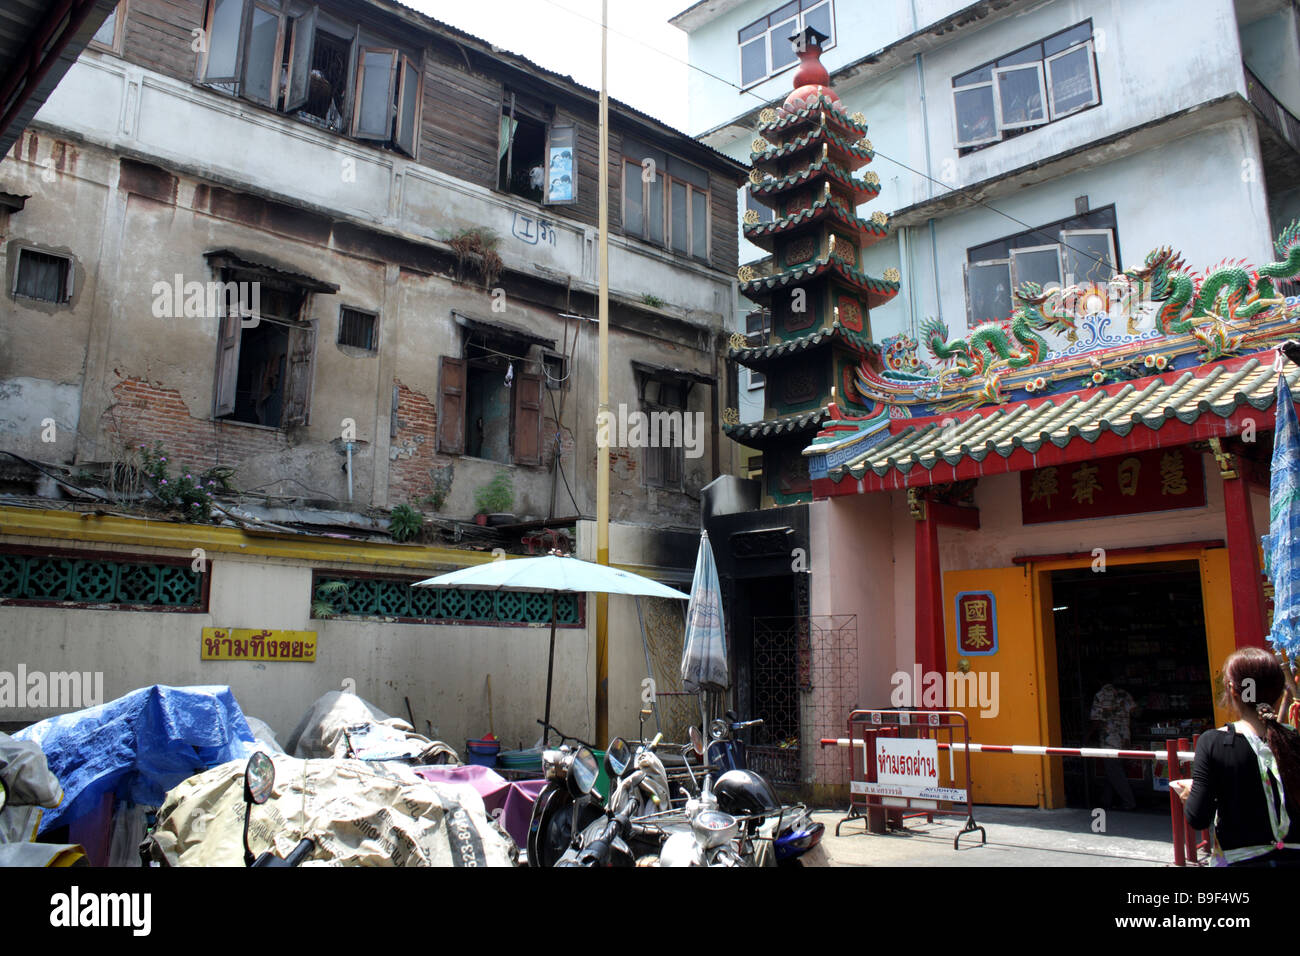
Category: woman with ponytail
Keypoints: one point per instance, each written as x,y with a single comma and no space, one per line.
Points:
1246,777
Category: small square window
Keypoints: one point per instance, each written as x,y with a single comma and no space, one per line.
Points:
43,276
358,329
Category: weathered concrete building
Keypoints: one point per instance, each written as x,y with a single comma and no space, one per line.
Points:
341,257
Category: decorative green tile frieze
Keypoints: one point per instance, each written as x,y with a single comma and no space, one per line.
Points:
99,581
360,598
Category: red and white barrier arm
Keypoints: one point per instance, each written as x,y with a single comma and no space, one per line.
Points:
1034,751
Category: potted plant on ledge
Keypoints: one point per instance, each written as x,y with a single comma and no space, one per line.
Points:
494,501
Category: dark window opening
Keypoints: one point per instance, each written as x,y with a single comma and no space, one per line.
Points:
43,276
327,81
523,164
556,369
265,355
357,329
259,389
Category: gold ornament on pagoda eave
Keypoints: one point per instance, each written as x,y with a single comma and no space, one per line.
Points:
767,116
751,217
745,274
737,340
730,417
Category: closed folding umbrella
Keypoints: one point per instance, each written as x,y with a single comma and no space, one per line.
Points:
704,647
551,574
1282,543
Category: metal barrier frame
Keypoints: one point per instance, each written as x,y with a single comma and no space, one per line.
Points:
907,724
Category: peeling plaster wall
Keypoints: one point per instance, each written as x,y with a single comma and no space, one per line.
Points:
144,377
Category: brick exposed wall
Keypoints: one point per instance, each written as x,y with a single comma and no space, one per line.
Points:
414,447
145,413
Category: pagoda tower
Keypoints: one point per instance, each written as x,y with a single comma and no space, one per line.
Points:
804,160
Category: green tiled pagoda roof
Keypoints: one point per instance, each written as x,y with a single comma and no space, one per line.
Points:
761,355
827,207
877,290
811,138
771,429
823,106
1218,389
823,167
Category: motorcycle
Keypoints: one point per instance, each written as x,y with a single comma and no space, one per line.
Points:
746,792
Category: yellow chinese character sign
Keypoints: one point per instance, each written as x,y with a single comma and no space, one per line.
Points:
1136,483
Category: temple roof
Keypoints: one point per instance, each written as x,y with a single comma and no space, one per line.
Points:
868,231
811,115
1171,409
876,291
759,356
830,142
863,190
757,434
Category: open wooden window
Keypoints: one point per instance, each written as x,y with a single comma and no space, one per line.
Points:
408,101
451,406
265,351
376,85
527,443
227,21
261,73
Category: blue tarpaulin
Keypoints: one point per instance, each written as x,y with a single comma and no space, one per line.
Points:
139,746
1282,543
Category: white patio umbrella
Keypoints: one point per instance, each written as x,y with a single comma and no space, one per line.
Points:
551,574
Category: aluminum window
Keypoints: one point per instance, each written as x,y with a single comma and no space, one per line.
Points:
1027,88
765,48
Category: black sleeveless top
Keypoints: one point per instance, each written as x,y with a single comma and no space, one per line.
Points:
1226,779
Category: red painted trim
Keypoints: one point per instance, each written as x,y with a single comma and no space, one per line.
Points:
1110,552
953,516
1141,438
1243,564
930,653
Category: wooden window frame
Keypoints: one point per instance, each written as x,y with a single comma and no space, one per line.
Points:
68,276
374,328
119,31
666,212
302,338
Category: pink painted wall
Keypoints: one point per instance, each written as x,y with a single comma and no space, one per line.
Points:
863,559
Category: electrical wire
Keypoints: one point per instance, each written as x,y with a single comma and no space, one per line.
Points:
897,162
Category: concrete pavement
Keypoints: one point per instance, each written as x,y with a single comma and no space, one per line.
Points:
1016,837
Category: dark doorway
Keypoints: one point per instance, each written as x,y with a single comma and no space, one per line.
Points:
776,639
1140,628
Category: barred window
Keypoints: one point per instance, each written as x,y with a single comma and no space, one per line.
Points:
365,597
43,276
357,328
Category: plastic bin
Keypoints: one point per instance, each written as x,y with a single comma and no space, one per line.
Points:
483,753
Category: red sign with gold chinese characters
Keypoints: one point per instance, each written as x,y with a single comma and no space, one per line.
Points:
1160,480
977,623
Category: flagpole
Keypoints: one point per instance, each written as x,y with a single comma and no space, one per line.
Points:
602,461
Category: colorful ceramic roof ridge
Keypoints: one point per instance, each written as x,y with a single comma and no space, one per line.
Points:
914,451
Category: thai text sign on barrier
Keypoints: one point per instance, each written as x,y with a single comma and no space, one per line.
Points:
907,768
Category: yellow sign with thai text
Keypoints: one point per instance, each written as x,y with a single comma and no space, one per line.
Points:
257,644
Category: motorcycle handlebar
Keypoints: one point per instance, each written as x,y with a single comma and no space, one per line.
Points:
305,846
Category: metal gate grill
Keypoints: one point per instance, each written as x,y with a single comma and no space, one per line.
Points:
780,651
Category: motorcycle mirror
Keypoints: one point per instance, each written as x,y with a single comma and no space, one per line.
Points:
4,795
259,778
697,741
583,772
618,755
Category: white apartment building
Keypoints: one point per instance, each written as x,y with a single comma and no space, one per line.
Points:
1028,139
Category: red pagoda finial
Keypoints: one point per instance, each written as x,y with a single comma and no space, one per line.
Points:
811,79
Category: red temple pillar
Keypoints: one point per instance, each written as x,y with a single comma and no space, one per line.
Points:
930,653
1243,561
